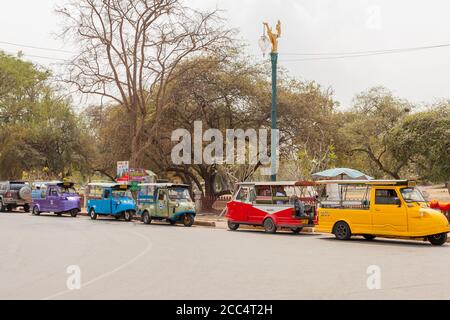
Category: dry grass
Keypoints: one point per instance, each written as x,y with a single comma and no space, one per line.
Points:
436,193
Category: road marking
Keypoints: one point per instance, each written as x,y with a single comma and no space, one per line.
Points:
109,273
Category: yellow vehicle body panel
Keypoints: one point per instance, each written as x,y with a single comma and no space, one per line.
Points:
409,220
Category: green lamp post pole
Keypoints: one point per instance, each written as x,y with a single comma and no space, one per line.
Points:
266,41
274,151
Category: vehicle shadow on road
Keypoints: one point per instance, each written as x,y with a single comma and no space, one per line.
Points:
385,242
14,212
161,225
278,234
53,216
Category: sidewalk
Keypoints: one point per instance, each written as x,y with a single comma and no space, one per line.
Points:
211,220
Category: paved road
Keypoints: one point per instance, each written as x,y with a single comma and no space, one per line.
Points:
122,260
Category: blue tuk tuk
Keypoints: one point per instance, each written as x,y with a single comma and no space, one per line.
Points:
110,199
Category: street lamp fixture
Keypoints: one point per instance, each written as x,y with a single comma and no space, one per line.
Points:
264,44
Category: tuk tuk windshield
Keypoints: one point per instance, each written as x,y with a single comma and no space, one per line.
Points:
180,194
67,190
121,194
412,195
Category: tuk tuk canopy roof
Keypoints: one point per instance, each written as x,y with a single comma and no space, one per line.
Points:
369,182
164,185
108,185
280,184
66,184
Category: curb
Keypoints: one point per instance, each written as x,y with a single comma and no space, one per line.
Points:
196,223
205,224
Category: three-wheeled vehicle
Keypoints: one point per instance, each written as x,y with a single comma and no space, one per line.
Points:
274,205
166,202
381,208
110,199
56,197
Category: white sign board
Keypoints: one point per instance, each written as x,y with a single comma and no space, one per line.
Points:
122,168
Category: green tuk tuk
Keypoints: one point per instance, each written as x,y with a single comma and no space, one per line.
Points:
166,202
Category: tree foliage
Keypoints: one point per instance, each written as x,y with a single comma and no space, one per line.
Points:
366,129
130,50
38,129
423,141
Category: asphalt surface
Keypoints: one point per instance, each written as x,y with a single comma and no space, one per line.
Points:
120,260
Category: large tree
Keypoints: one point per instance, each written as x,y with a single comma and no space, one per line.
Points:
38,129
222,93
129,50
233,93
363,137
423,141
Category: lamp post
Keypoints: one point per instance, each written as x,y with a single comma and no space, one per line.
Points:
265,43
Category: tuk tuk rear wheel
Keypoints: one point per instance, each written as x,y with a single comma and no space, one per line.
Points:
92,214
146,219
342,231
269,226
188,220
35,211
233,226
128,216
438,239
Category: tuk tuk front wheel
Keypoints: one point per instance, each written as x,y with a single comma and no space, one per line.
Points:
188,220
128,216
438,239
146,219
233,226
297,230
269,226
369,237
342,231
92,214
74,213
26,208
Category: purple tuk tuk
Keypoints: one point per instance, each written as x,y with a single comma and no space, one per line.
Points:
58,198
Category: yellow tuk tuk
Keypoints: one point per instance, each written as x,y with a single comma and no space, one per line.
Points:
380,208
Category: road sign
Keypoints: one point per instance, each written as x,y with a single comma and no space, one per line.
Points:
122,168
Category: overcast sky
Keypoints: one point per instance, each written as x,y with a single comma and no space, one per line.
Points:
309,26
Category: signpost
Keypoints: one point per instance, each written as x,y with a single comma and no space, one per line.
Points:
122,168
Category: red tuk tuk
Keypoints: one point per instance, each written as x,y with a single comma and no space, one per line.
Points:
274,205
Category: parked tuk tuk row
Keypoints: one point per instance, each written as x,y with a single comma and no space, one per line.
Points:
345,208
153,202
